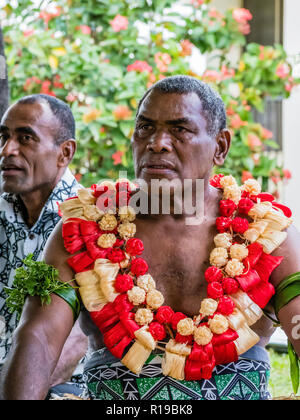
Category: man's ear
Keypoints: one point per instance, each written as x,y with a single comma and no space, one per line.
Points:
223,141
67,151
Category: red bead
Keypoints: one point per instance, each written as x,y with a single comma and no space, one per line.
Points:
227,207
215,290
213,274
230,286
240,225
223,224
245,205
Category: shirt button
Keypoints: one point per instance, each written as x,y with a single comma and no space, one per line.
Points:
31,236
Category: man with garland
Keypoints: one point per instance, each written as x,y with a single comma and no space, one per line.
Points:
36,146
204,298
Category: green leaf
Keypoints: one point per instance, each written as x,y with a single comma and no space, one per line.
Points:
294,367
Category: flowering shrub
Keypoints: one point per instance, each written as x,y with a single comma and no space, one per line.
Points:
100,56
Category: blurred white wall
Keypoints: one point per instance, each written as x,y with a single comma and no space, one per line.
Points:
223,5
291,111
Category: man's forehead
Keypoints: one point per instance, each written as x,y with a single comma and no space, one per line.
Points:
37,114
167,107
181,105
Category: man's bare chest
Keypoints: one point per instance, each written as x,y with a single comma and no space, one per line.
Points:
177,262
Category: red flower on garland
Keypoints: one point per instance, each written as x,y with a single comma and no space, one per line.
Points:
213,274
164,314
139,267
223,224
215,290
157,331
245,205
240,225
215,180
226,305
227,207
116,255
134,247
123,283
230,286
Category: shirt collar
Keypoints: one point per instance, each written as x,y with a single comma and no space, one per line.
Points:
65,188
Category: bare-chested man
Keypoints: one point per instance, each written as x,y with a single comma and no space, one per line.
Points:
180,133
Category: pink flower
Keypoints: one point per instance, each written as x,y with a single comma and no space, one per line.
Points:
28,32
85,29
227,73
117,157
119,23
246,175
162,61
282,71
241,15
212,76
253,141
244,28
287,173
186,48
140,66
197,3
267,134
236,122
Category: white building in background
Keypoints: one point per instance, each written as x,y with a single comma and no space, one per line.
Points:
286,30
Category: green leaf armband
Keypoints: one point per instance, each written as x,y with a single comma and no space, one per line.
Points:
36,278
286,291
69,295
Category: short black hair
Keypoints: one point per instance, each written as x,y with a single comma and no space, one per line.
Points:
213,106
62,112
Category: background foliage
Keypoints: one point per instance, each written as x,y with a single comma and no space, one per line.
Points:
101,55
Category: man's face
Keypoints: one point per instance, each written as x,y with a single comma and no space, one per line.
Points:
28,153
170,140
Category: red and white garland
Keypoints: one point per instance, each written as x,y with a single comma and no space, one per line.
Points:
121,295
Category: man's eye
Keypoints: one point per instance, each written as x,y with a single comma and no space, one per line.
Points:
25,138
179,129
3,138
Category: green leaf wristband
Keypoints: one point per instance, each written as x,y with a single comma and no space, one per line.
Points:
286,291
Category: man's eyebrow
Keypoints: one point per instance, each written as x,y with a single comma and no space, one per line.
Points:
3,128
27,130
180,121
143,118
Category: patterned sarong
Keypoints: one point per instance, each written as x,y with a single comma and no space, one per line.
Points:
107,379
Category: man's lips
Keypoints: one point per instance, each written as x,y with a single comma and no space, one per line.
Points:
158,167
10,170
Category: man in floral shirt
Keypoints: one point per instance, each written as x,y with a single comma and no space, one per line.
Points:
36,146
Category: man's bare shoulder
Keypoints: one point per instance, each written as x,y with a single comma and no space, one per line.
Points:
290,250
56,255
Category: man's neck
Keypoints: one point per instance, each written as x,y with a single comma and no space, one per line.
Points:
203,205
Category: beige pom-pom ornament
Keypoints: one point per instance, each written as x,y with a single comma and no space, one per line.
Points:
239,251
143,316
127,230
223,240
218,257
106,240
218,324
252,186
228,181
136,295
108,222
233,193
154,299
203,335
234,268
146,282
186,326
208,307
127,214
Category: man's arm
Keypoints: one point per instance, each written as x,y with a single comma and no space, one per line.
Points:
290,250
40,336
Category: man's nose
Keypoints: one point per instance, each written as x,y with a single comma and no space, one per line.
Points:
160,142
10,148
